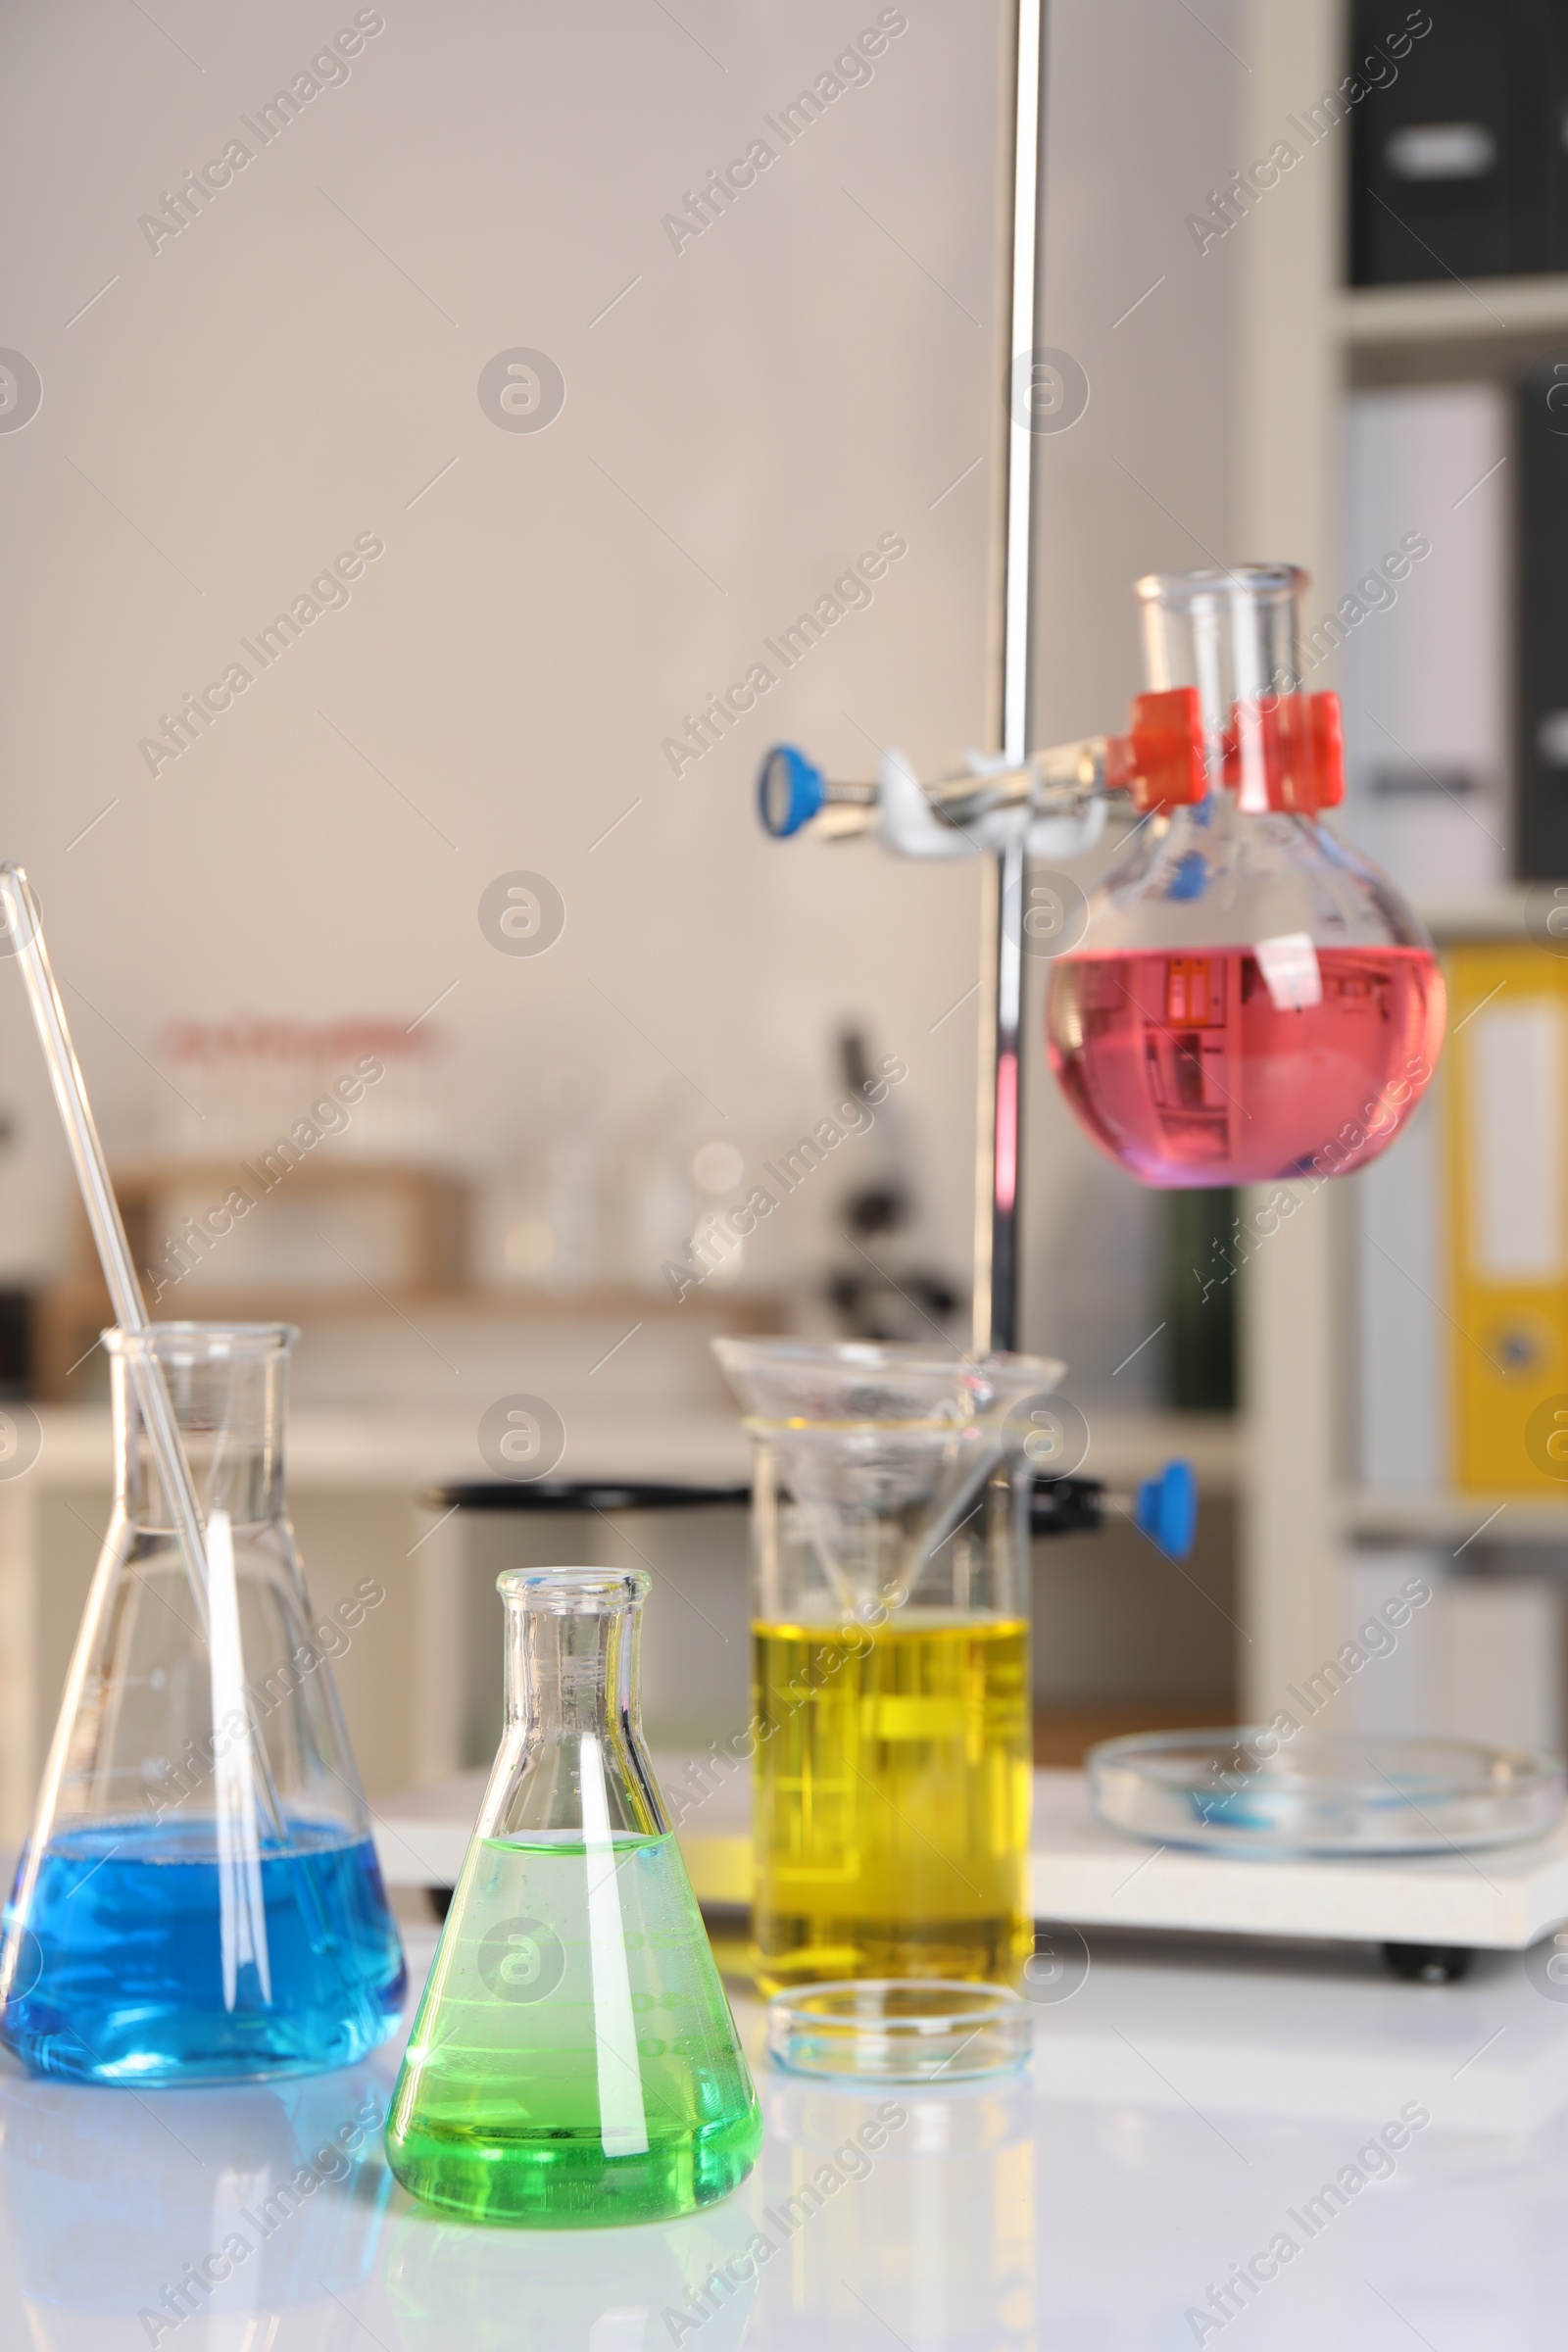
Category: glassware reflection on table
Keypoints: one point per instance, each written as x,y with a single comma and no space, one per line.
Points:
200,1899
573,2062
890,1558
1250,999
230,2206
923,2199
455,2290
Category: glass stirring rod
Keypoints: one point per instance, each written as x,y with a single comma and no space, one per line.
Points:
20,918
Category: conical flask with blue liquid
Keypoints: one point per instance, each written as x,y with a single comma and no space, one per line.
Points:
199,1900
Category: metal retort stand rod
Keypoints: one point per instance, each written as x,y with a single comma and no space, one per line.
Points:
998,1134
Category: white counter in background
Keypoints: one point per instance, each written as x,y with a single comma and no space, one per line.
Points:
405,1451
422,1676
355,1482
402,1450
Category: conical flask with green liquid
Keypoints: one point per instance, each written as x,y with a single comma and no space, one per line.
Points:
573,2062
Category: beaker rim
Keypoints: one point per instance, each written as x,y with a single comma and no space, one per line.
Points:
576,1592
216,1340
1201,587
884,1355
900,1385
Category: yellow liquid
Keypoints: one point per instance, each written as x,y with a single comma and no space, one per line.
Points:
892,1786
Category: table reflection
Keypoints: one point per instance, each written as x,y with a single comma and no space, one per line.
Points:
1117,2196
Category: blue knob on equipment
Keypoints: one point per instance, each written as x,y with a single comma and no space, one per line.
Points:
789,791
1167,1509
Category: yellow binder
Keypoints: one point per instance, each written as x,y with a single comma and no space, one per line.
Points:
1507,1155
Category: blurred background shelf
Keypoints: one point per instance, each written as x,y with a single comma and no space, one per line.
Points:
344,1320
1460,1519
1063,1736
1125,1640
1492,310
1497,914
1420,415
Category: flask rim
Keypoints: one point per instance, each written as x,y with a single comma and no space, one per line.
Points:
219,1342
1174,589
576,1592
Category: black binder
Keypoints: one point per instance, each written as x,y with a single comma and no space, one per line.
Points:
1555,92
1450,145
1540,631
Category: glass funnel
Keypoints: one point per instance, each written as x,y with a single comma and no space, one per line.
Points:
199,1900
891,1693
1250,999
573,2062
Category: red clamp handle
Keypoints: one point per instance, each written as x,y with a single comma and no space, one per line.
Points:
1282,752
1286,752
1160,761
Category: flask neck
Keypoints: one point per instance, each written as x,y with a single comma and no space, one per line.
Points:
571,1761
229,1391
572,1673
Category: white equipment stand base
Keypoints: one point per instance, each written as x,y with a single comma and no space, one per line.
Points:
1498,1898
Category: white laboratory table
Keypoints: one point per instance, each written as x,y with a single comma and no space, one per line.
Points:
1189,2109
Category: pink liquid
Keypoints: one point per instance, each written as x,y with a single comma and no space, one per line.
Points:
1186,1069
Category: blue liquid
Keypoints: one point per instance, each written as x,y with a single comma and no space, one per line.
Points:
121,1979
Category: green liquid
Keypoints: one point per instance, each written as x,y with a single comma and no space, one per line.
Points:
574,2064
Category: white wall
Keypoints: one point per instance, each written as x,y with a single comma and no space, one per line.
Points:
271,383
811,373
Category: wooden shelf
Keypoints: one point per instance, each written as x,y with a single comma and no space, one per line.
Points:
69,1316
293,1302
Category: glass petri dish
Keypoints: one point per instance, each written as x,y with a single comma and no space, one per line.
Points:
900,2029
1249,1791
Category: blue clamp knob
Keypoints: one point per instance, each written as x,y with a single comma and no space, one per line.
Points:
1191,878
789,791
1167,1509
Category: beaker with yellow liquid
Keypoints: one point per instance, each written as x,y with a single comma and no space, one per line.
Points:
891,1687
